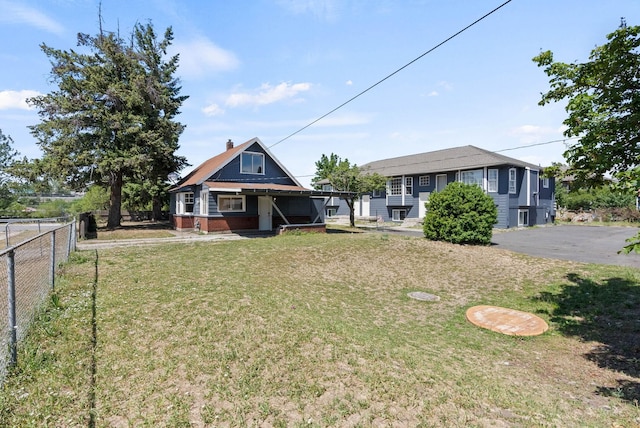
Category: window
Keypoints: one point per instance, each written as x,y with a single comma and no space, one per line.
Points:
492,180
327,187
424,181
376,193
184,203
545,183
395,186
472,177
408,185
512,180
523,218
252,163
231,203
204,202
398,215
331,212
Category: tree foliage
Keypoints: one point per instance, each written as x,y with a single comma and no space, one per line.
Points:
7,158
347,177
460,214
603,106
112,118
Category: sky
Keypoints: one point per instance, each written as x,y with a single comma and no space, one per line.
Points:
268,68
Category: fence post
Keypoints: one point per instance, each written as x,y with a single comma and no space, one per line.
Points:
52,267
72,227
11,293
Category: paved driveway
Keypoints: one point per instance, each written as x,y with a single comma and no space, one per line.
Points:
588,244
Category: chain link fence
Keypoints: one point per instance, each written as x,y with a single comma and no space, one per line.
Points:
27,277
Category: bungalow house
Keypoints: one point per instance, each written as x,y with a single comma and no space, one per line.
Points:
244,188
523,197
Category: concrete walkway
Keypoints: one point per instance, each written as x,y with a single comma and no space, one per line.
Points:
183,237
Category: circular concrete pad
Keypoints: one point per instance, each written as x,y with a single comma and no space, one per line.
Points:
421,295
506,321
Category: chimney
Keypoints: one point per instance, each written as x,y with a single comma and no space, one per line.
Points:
229,144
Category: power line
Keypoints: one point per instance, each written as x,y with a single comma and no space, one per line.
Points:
392,74
537,144
468,156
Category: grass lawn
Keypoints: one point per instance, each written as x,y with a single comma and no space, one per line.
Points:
317,330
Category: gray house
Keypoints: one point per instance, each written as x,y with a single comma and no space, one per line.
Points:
245,188
523,197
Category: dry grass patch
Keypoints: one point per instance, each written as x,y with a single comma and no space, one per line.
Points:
318,330
136,230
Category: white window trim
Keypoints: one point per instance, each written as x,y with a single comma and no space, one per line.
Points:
424,181
244,203
398,211
522,224
513,181
408,186
389,191
473,173
252,153
545,183
181,203
490,181
204,202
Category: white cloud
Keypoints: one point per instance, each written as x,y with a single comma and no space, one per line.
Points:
15,13
348,83
267,94
16,99
433,94
200,57
213,110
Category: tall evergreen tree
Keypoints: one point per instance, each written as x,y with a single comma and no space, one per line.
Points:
112,117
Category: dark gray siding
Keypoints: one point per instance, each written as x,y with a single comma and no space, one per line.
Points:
502,204
272,172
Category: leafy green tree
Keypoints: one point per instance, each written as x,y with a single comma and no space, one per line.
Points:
343,176
603,106
112,118
460,214
94,199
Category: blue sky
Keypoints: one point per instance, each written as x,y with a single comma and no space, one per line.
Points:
266,68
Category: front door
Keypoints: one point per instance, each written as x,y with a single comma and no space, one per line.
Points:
366,206
422,208
264,213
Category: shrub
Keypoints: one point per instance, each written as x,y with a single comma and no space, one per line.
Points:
461,214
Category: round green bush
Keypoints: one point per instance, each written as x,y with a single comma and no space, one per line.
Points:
460,214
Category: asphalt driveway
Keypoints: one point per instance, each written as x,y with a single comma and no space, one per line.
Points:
587,244
580,243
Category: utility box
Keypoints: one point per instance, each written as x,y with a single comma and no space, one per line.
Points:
88,226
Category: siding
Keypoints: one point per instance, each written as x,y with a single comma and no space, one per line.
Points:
502,203
272,172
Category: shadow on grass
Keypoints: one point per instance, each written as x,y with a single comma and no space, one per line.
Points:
607,312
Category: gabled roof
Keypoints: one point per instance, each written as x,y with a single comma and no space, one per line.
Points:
209,167
454,159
